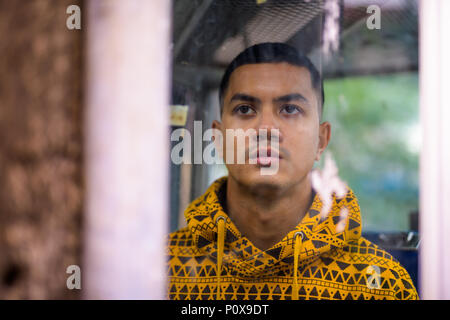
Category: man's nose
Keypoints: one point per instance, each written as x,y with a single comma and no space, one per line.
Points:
268,126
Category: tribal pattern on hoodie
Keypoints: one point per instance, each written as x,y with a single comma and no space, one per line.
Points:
316,260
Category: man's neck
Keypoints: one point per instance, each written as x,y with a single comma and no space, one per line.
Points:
265,220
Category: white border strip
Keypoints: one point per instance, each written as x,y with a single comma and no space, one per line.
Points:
434,215
127,148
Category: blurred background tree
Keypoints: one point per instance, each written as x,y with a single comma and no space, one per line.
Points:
375,142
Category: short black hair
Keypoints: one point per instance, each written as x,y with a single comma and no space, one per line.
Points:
273,52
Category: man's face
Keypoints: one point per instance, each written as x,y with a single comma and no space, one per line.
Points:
274,96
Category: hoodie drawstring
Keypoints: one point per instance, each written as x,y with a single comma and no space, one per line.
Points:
220,244
297,247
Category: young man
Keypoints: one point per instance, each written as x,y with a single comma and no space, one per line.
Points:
254,236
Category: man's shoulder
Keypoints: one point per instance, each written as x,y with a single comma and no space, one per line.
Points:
364,252
179,236
379,268
181,242
369,251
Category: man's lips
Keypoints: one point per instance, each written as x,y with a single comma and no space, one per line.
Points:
265,157
265,161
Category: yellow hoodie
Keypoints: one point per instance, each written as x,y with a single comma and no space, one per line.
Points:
313,261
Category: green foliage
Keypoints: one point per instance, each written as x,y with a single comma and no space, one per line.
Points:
374,140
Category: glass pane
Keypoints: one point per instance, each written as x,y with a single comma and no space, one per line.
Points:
367,55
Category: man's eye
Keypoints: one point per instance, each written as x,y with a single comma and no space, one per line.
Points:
244,109
290,109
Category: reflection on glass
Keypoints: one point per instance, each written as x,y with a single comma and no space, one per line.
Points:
371,101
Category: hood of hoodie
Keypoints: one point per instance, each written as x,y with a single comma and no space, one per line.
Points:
241,258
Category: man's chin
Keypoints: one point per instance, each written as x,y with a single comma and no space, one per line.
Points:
257,181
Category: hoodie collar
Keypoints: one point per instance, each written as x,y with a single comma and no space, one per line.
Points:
318,235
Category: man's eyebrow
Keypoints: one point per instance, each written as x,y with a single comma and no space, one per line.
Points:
244,97
290,97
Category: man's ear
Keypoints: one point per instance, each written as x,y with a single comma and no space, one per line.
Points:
324,138
216,124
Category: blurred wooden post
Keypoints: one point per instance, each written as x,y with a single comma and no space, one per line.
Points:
41,191
435,155
126,122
